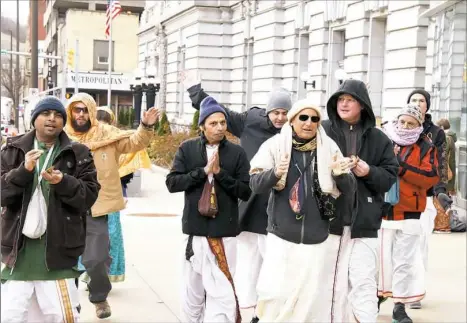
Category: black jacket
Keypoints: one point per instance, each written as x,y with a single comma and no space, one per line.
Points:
438,137
253,128
313,226
69,201
376,149
232,183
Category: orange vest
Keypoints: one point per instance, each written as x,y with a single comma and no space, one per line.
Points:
418,171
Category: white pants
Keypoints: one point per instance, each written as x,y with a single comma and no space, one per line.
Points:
295,282
207,295
427,220
398,276
40,301
250,253
354,278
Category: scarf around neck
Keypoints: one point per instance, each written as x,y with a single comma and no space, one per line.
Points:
302,144
402,137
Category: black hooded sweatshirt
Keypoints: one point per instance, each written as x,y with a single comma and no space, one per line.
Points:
376,149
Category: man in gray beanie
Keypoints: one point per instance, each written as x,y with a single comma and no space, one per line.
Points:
253,127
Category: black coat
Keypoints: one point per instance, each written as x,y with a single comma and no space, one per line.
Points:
69,201
438,137
232,183
253,128
376,149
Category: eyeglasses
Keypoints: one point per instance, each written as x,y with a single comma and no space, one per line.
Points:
78,110
305,117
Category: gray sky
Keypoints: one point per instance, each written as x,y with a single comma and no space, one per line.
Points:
9,10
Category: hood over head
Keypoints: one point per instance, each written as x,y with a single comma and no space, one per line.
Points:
88,100
357,89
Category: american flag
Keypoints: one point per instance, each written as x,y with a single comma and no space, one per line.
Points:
113,9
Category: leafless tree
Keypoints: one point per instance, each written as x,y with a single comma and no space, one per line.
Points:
12,83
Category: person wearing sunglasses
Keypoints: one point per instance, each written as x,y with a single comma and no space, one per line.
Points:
107,144
354,232
303,171
253,127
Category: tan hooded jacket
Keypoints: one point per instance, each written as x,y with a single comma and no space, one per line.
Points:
106,143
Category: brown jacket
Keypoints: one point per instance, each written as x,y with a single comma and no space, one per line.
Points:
107,143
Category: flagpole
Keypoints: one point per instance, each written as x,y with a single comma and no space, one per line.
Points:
110,60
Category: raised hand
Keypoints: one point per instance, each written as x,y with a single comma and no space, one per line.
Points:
151,116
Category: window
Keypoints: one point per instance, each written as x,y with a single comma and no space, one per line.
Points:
103,60
101,55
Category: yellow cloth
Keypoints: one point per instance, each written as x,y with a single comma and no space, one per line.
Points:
129,163
107,144
109,111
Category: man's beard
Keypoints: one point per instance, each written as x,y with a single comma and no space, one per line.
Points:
83,128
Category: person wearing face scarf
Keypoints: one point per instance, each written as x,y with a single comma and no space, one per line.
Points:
438,200
304,171
399,237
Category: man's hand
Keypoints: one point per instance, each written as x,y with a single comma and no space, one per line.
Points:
362,168
397,148
215,164
445,201
283,166
209,167
31,157
54,177
340,166
189,78
150,117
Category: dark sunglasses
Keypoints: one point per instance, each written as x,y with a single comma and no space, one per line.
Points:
305,117
79,110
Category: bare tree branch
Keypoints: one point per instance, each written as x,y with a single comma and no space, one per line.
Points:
11,82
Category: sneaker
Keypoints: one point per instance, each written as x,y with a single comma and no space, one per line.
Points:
440,231
415,306
254,320
399,315
103,309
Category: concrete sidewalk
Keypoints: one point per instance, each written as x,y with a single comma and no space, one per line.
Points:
154,255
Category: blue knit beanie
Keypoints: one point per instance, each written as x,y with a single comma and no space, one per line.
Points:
48,103
207,107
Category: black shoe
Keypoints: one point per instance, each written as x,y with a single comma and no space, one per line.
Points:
254,320
78,308
399,315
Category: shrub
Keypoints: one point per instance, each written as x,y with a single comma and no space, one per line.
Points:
162,149
164,126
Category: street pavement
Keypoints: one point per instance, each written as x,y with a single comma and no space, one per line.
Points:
154,254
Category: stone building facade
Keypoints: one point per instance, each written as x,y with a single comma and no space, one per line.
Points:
243,49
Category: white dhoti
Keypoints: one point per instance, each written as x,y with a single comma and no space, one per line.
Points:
251,249
355,270
207,294
427,221
400,262
39,301
295,283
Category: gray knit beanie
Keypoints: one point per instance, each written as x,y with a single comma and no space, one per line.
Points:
279,99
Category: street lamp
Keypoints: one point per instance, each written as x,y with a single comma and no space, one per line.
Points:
137,91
